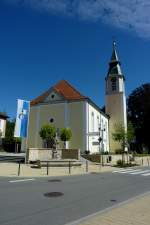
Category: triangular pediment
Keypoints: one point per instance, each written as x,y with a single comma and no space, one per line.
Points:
53,96
61,91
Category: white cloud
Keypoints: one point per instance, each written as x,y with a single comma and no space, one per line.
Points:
125,14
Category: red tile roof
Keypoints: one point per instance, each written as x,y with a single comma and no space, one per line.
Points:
64,89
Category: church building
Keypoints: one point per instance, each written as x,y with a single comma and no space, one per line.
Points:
63,106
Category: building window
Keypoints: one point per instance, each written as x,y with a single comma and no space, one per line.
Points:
113,84
51,120
98,123
106,130
52,96
92,122
102,124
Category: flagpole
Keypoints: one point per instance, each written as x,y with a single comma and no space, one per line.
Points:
26,143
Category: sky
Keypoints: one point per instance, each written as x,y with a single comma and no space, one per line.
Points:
44,41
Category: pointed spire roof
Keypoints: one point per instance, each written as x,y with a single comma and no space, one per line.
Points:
114,56
114,64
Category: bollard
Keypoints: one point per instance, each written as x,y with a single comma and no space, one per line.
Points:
86,166
69,167
47,168
142,161
19,169
147,161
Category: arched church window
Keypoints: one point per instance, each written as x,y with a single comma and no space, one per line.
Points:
113,84
92,122
98,123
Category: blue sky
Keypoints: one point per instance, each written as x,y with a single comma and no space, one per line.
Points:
44,41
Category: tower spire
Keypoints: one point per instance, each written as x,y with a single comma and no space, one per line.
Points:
114,64
114,56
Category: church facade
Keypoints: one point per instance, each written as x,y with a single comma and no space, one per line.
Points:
63,106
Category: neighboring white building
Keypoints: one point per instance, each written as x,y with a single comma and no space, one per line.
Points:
3,119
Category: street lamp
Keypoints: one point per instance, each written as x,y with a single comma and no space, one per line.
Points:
100,139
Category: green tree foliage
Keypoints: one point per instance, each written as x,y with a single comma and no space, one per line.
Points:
48,134
9,135
123,136
9,142
139,114
65,135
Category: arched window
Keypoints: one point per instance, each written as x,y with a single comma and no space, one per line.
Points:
98,123
92,122
51,120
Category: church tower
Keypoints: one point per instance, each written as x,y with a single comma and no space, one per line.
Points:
115,97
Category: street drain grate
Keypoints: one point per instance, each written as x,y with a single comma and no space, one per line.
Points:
54,180
53,194
113,200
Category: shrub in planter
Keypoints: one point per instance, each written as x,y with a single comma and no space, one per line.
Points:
65,136
48,134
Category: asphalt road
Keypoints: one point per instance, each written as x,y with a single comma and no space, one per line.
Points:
24,202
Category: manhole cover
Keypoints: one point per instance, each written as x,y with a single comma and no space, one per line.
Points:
113,200
53,194
54,180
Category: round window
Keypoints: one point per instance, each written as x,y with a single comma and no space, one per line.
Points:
51,120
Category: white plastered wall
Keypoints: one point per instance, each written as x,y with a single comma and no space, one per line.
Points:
2,127
96,119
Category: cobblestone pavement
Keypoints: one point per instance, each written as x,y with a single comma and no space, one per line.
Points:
135,212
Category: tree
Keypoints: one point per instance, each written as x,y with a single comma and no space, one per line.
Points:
125,137
139,115
10,143
48,134
65,135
